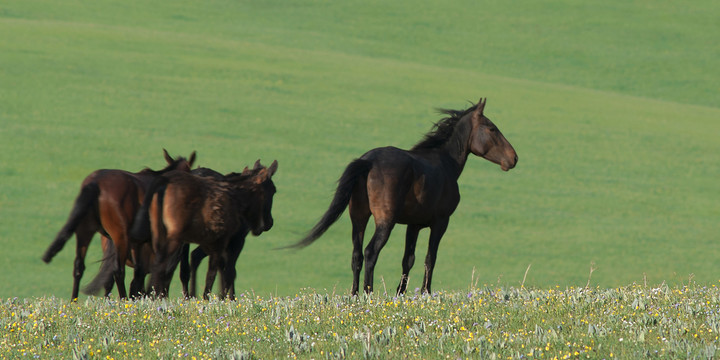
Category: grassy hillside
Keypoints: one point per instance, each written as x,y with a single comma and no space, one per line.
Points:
612,108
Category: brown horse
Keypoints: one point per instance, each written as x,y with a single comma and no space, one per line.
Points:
201,210
417,187
189,262
107,204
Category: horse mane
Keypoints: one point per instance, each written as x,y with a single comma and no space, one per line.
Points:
442,130
241,177
172,166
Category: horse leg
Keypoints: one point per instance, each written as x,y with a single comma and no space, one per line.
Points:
409,258
213,265
121,246
195,258
170,269
235,247
141,264
83,235
436,233
110,282
185,269
379,239
359,216
227,275
166,259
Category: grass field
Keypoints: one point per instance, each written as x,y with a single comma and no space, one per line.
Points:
612,107
486,323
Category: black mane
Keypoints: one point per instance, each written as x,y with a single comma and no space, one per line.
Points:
240,177
172,166
443,129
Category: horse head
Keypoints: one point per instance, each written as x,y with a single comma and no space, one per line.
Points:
262,189
488,142
180,164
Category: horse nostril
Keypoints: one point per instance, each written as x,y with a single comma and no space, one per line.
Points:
516,158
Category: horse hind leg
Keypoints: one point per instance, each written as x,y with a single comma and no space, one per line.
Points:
372,251
142,255
359,218
409,257
83,235
215,264
111,280
185,269
196,257
121,246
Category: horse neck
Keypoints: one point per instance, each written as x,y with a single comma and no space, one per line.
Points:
239,193
457,148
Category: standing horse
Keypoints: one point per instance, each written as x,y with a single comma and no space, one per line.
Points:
417,187
107,204
207,212
189,262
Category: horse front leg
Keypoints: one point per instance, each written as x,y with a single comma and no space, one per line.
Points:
436,233
235,247
409,257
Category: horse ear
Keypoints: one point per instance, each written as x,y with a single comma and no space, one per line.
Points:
481,105
273,168
245,171
257,165
167,156
192,159
261,176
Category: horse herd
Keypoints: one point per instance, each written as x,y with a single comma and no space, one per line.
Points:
148,219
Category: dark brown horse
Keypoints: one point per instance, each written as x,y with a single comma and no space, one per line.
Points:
417,187
189,262
207,212
107,204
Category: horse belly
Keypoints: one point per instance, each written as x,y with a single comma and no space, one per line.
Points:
423,206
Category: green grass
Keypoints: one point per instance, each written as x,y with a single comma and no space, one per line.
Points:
486,323
611,107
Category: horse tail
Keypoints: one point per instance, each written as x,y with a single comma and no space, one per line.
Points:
84,203
140,230
356,170
108,267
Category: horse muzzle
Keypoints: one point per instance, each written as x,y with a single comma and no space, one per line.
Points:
507,165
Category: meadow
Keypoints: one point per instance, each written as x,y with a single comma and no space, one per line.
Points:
483,323
612,108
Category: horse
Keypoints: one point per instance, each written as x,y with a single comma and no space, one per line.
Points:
185,208
416,187
189,262
107,204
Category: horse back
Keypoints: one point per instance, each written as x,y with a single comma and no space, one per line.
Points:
120,194
197,209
